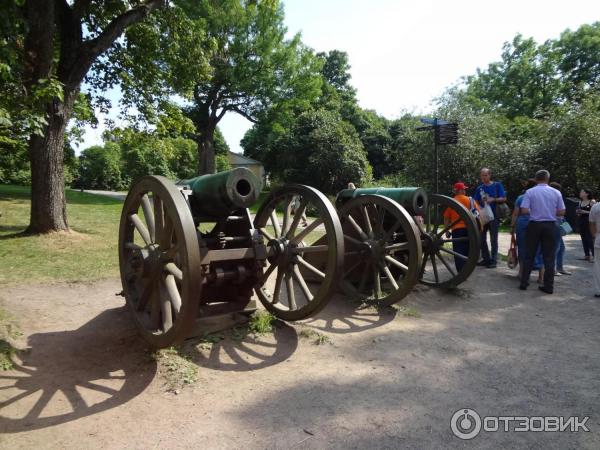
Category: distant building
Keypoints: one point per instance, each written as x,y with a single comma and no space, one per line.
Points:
239,160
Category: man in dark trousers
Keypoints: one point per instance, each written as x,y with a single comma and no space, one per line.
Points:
491,193
544,205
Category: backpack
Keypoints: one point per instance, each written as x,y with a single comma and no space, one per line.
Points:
502,209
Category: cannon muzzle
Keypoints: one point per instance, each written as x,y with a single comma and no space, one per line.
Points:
222,193
413,199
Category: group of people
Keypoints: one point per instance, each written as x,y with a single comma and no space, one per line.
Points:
537,224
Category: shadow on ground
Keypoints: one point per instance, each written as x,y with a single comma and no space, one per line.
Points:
343,316
246,352
67,375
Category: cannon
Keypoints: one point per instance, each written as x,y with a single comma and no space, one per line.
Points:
397,237
191,255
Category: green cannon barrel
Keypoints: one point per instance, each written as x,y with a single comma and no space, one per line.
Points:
220,194
413,199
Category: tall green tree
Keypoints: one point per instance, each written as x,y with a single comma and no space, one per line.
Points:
52,47
324,151
231,57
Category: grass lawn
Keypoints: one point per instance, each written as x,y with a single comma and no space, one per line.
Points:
89,253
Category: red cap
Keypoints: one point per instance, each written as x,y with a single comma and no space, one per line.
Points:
460,186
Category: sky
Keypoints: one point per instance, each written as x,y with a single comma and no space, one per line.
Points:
404,54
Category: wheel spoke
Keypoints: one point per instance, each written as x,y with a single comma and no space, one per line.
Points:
351,239
167,233
448,227
377,277
352,267
423,265
149,215
453,253
380,220
445,263
396,263
158,218
267,273
458,239
141,228
278,281
174,270
275,223
389,275
306,231
357,227
367,221
286,217
310,249
165,306
435,271
266,234
290,291
171,285
310,267
397,247
303,286
297,217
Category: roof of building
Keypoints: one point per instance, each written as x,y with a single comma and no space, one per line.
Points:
241,159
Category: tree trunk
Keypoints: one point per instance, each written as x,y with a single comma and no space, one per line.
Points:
48,202
206,152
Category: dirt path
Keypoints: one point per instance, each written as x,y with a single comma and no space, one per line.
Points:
386,380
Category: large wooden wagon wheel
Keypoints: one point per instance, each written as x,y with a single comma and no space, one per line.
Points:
305,251
159,259
440,254
383,249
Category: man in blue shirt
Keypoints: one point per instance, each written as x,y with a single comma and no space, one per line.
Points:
491,193
544,206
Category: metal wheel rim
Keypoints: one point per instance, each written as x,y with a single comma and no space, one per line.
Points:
432,236
384,252
174,268
290,268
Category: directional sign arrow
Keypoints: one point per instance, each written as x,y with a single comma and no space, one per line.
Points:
429,121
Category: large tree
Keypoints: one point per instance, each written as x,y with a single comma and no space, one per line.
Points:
221,56
53,45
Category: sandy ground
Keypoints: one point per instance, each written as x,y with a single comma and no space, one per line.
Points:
385,381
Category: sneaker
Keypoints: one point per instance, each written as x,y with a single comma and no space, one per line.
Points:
564,272
597,295
545,289
491,266
523,287
483,263
557,274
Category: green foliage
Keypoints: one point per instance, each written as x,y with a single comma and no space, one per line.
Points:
100,167
219,56
324,151
261,322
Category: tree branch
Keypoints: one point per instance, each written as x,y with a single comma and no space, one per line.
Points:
243,114
90,50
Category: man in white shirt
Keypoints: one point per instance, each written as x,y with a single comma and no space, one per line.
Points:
595,229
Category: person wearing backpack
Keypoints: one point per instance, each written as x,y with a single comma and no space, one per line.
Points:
458,233
492,194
